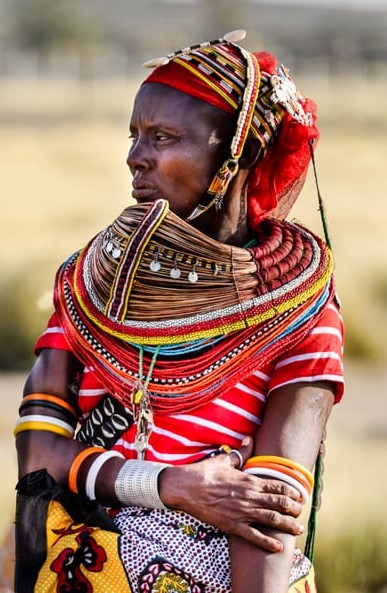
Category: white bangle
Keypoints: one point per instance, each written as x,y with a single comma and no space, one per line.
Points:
272,473
46,420
137,484
94,470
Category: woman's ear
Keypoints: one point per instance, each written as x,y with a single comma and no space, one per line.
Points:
251,153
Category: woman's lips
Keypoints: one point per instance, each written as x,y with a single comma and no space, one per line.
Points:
142,191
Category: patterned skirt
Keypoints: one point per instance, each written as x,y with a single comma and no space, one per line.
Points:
156,552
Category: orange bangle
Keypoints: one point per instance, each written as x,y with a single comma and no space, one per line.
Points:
293,473
282,461
76,465
51,398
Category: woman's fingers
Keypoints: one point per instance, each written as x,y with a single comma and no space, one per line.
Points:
238,458
233,501
241,455
232,516
278,487
255,537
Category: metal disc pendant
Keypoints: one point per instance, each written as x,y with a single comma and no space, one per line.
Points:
175,273
155,265
193,277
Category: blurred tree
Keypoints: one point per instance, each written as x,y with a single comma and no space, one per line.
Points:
43,26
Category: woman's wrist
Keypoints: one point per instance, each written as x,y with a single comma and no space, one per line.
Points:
172,486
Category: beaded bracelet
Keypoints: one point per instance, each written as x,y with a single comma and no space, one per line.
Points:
137,484
94,470
76,465
42,422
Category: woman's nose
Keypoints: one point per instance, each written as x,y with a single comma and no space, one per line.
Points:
138,156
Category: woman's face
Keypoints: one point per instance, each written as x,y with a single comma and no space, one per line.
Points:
176,147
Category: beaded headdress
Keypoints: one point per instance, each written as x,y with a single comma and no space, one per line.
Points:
268,106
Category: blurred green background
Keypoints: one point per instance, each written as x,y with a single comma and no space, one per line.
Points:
68,75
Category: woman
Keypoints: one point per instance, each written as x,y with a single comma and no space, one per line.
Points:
196,342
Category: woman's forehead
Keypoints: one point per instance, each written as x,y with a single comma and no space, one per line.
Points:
155,99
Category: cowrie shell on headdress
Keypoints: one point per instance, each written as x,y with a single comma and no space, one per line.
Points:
154,62
230,37
234,36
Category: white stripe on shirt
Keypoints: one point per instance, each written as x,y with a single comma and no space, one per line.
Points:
332,331
236,409
208,424
310,379
92,392
308,356
176,437
252,392
165,456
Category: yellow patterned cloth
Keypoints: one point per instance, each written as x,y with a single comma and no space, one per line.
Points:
79,557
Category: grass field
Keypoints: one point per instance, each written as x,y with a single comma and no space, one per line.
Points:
64,178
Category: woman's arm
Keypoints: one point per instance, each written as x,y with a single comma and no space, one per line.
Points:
53,373
293,426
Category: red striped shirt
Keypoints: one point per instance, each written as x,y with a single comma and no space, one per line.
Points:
183,438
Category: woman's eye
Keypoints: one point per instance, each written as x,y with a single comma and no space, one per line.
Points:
162,137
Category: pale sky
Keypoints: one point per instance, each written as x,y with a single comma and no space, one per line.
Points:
356,4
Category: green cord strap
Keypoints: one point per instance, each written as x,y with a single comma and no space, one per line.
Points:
151,366
315,505
321,207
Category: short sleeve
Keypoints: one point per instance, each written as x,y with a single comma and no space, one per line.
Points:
52,337
318,357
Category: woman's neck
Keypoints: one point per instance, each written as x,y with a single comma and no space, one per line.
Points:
229,224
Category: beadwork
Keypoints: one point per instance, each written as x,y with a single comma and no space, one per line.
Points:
282,285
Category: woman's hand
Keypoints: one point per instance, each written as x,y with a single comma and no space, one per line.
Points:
216,492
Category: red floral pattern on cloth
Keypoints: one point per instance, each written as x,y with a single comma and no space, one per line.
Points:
68,564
